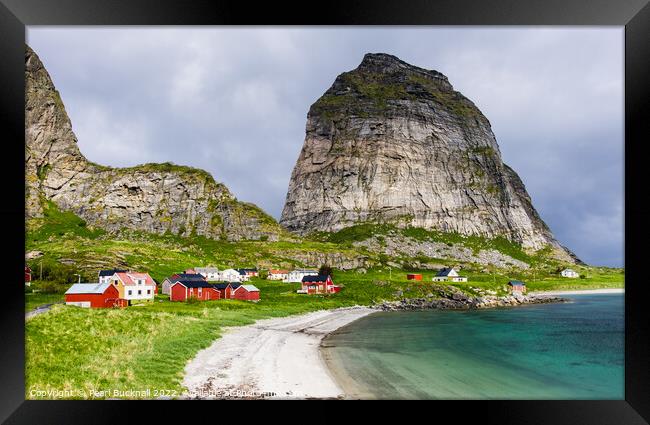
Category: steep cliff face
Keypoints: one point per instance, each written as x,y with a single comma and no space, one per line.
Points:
391,142
151,197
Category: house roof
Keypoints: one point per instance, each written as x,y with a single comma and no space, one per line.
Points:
235,285
129,278
88,288
317,278
230,271
250,288
186,276
111,272
194,283
220,285
273,271
569,270
444,272
516,283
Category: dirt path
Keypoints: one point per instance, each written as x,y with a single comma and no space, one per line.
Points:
39,310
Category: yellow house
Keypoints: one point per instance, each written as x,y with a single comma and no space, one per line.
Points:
134,286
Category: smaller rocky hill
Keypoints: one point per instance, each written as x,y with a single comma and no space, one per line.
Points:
156,198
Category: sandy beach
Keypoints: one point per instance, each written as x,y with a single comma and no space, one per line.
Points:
272,358
580,292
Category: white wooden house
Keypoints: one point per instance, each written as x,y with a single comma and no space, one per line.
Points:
448,274
569,273
295,276
229,275
277,274
209,273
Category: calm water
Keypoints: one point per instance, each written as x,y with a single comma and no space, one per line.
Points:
554,351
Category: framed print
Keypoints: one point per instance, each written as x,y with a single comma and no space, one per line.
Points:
426,202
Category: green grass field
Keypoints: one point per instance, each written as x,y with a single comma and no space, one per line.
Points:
34,300
82,351
85,351
88,350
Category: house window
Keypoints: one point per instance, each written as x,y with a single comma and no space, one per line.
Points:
148,291
139,292
130,292
200,291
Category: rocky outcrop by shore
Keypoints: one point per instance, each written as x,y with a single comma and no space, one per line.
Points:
460,301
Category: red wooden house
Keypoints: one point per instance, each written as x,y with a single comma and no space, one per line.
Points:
182,290
94,295
246,292
320,284
413,276
226,289
249,272
28,276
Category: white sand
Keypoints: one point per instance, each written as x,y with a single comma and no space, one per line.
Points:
580,291
273,358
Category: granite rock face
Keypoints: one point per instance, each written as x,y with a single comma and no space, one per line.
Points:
151,197
393,143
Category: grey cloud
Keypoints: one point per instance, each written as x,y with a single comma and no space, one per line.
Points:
233,101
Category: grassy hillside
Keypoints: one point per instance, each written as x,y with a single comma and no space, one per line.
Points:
71,247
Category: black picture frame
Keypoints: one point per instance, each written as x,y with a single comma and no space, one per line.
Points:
633,14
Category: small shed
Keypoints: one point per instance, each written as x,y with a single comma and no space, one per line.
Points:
246,293
93,295
516,286
225,289
28,276
414,276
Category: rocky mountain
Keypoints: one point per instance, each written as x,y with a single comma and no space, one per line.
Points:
151,197
394,143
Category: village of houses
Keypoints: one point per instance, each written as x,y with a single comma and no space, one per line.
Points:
122,288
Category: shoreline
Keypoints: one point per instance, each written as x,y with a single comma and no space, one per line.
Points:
276,358
284,358
580,292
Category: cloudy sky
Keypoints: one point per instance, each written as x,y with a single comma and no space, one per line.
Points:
234,101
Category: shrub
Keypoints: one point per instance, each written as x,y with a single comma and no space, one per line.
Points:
326,270
50,287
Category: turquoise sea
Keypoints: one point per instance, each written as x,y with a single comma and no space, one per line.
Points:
569,350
